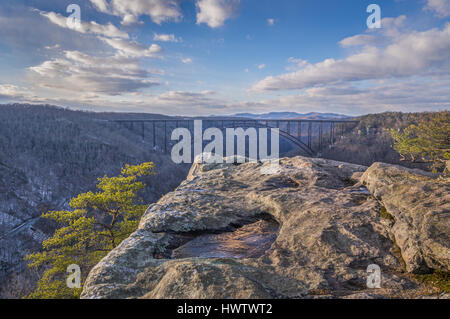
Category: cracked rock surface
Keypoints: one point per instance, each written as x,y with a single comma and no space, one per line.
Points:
420,205
316,227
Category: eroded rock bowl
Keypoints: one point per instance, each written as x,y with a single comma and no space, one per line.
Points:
248,241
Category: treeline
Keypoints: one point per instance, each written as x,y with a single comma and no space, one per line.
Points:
371,140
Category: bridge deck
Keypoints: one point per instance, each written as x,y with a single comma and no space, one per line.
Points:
236,120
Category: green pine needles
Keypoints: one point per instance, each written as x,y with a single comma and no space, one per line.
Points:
97,223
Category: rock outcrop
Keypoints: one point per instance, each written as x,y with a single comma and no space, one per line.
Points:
420,205
229,231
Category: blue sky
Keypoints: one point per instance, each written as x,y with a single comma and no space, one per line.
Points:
197,57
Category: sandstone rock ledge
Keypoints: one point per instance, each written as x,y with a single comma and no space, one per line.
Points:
420,205
309,231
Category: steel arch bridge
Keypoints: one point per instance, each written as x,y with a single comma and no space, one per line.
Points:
308,135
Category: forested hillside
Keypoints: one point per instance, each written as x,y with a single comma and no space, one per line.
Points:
371,140
50,154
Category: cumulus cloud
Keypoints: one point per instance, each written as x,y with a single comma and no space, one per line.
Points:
418,94
204,99
357,40
8,91
261,66
175,102
108,30
73,66
271,22
15,93
101,5
130,10
52,47
133,49
214,13
440,7
82,73
391,28
393,22
166,38
25,30
186,60
298,62
410,54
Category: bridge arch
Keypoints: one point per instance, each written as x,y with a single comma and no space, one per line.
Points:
167,124
291,138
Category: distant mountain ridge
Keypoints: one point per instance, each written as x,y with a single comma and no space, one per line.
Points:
294,116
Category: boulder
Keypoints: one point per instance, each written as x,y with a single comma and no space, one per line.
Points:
231,231
420,205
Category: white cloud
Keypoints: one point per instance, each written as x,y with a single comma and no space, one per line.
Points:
29,31
14,93
298,62
204,99
409,54
52,47
133,49
392,23
10,91
440,7
166,38
214,13
261,66
108,30
391,28
387,69
101,5
186,60
81,73
169,102
357,40
130,10
271,22
417,94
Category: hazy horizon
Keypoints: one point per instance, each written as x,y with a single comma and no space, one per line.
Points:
98,110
